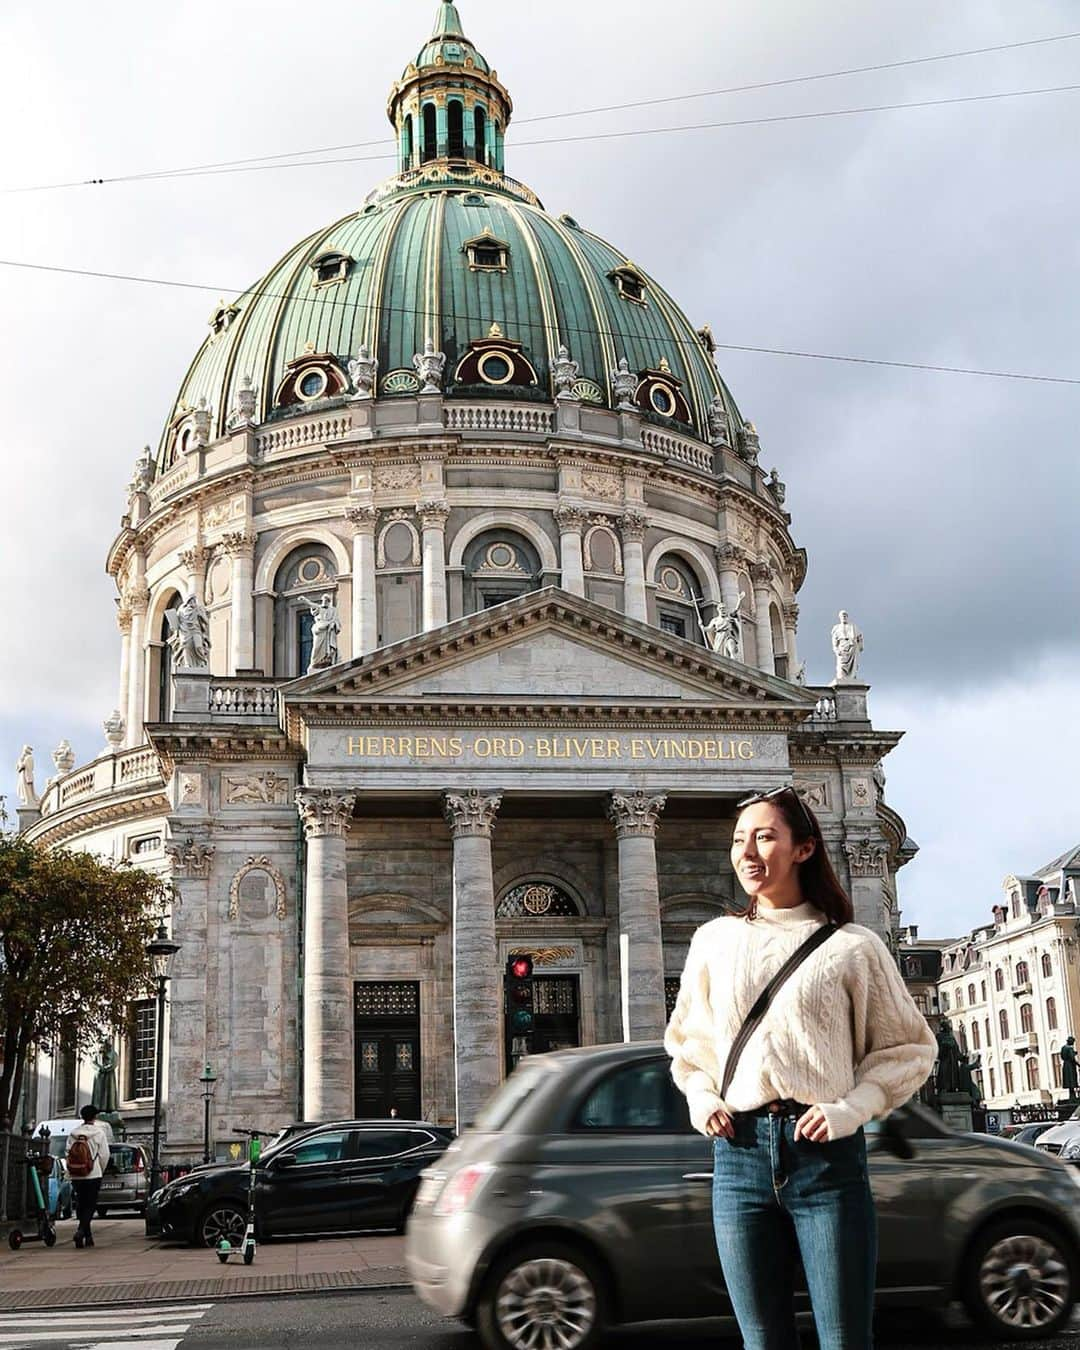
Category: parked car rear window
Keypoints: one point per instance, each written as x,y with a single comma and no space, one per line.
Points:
638,1097
323,1148
121,1158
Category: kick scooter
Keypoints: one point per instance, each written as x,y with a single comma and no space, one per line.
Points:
39,1165
225,1248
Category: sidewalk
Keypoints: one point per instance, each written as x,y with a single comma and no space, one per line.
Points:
125,1266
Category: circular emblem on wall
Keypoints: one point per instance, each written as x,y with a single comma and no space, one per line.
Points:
537,899
500,556
588,391
400,382
671,581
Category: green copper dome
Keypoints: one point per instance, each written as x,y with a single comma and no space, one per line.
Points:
453,252
448,44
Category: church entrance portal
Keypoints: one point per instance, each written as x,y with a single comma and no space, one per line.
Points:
557,1018
387,1018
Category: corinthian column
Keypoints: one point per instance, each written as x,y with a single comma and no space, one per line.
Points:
123,622
761,574
636,816
136,599
365,623
477,1002
634,524
433,516
328,1004
571,522
241,548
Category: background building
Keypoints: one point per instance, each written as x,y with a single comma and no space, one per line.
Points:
502,456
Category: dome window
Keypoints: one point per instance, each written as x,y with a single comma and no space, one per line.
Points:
496,361
660,394
222,317
630,284
310,378
329,268
486,253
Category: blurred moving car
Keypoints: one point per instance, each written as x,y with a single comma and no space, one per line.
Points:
1028,1134
582,1197
347,1176
126,1181
1063,1140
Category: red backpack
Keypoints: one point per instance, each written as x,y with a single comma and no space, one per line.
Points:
80,1157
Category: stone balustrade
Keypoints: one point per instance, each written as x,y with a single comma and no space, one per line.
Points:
505,418
243,699
680,449
110,773
301,432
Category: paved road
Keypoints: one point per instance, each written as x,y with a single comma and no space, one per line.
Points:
378,1321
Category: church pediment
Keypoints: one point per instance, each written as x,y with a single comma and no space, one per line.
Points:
549,648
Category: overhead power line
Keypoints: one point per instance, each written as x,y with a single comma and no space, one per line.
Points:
611,135
253,160
567,332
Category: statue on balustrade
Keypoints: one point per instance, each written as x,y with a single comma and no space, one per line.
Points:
723,632
325,627
189,635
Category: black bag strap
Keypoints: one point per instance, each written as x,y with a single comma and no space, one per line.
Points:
761,1004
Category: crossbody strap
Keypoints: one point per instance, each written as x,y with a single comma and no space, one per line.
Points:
761,1004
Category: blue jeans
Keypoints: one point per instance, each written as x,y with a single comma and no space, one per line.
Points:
776,1200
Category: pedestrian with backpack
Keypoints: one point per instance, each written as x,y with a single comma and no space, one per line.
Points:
792,1029
87,1159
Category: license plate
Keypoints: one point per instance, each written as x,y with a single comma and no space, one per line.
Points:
111,1185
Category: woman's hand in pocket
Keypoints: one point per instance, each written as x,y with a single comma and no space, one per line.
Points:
812,1125
720,1126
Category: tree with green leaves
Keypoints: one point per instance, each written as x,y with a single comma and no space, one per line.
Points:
73,933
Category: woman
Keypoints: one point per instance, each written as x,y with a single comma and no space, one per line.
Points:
840,1043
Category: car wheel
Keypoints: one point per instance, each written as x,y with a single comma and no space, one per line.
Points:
221,1220
546,1294
1019,1283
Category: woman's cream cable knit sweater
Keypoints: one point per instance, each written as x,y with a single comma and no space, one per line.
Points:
842,1033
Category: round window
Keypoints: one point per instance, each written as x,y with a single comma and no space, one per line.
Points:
312,384
495,368
662,400
501,555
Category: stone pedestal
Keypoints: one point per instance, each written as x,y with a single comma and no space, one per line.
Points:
955,1110
327,987
191,695
477,993
851,701
636,816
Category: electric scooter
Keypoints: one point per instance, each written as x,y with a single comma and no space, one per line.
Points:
225,1248
40,1165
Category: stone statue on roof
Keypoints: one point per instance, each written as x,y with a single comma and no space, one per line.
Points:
364,371
24,778
189,635
564,373
847,644
430,366
624,384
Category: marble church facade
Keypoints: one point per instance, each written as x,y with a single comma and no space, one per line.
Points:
525,741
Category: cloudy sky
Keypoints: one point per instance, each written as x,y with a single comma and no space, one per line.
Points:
939,509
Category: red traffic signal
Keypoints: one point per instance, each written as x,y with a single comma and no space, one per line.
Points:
520,967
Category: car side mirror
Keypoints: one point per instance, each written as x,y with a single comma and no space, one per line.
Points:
895,1140
285,1160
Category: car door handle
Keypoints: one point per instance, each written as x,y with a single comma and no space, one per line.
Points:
697,1176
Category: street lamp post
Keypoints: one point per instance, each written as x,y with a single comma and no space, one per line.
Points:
209,1082
161,951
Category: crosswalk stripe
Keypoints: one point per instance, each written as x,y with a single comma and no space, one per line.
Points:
138,1327
128,1345
103,1321
104,1315
71,1335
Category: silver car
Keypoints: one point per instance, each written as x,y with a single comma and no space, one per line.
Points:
581,1199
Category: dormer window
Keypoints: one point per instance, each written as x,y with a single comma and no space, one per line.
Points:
630,284
487,254
330,268
222,318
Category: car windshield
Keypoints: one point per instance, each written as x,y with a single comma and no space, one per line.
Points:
516,1090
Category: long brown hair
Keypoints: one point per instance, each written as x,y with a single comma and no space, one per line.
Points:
817,877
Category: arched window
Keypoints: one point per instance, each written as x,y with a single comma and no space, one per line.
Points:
1023,975
1051,1014
962,1030
1003,1024
165,664
975,1045
308,573
679,595
1055,1065
999,979
1016,906
1047,965
779,642
959,995
431,134
407,143
537,900
982,986
1027,1022
1032,1072
971,993
456,129
500,565
986,1024
993,1083
480,134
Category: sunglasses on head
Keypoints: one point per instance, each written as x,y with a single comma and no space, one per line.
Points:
773,796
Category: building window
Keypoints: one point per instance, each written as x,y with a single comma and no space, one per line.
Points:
142,1049
480,134
1003,1024
944,1000
328,268
66,1075
307,574
1051,1014
407,143
1055,1063
1047,966
1023,975
982,987
499,566
962,1037
1009,1087
993,1083
678,597
1032,1072
456,129
536,900
959,997
1016,906
487,254
971,993
986,1024
431,135
670,624
629,284
975,1036
164,664
999,979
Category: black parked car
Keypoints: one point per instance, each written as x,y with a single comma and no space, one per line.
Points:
344,1177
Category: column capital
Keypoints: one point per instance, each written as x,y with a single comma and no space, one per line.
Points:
634,524
194,558
730,556
237,543
189,857
363,519
761,573
791,614
571,519
472,812
124,615
135,599
866,856
636,813
434,514
324,812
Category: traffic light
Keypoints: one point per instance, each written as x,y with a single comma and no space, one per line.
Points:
519,995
